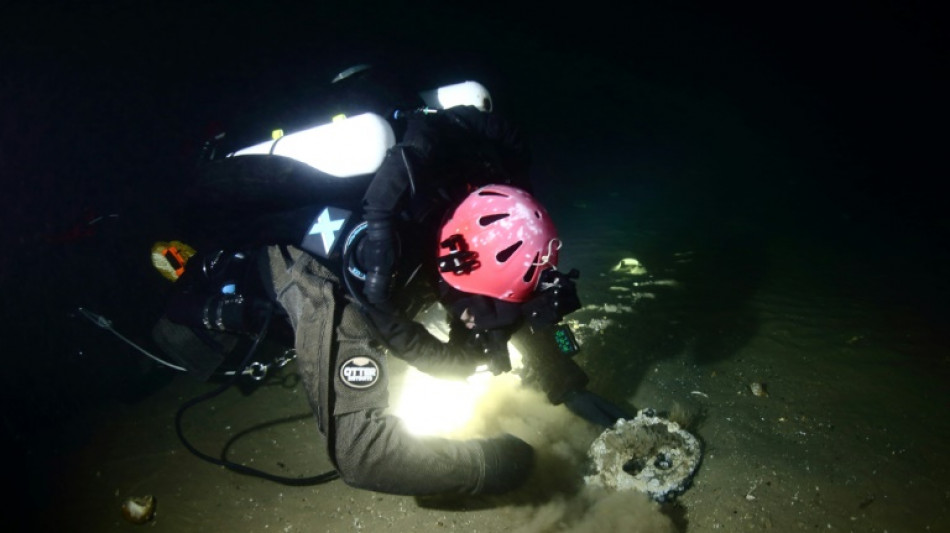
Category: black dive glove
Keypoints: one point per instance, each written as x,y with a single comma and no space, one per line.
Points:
491,345
556,298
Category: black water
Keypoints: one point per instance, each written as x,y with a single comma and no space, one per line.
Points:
805,143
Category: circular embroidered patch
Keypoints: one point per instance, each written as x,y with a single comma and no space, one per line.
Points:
359,372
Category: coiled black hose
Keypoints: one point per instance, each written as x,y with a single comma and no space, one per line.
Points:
236,467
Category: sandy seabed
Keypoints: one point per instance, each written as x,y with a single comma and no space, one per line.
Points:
850,436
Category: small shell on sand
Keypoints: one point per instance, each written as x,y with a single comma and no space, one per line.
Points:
758,389
139,509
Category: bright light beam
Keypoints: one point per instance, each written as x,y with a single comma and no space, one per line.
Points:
440,407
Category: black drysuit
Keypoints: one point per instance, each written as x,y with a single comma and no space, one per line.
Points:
342,345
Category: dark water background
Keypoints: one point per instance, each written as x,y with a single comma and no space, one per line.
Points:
807,142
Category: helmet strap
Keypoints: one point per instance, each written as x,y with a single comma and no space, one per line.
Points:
552,247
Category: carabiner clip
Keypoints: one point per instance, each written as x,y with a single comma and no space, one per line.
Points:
285,358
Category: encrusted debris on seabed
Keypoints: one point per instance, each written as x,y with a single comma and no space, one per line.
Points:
648,453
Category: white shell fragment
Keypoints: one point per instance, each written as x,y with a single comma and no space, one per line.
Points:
630,266
139,509
758,389
649,454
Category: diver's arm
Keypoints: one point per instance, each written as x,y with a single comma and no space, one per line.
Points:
388,194
427,141
412,342
384,197
505,138
551,371
561,379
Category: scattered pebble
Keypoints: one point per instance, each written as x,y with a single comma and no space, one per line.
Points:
758,389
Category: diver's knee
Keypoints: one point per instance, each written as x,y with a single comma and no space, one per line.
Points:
508,463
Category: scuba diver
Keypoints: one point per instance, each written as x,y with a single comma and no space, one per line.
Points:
347,258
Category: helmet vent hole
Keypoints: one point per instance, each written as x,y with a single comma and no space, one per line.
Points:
529,274
491,219
506,254
492,193
537,215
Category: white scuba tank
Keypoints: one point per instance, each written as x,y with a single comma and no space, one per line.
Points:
466,93
344,148
356,146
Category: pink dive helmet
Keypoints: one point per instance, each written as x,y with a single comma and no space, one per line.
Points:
497,243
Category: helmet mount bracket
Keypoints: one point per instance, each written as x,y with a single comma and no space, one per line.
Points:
460,260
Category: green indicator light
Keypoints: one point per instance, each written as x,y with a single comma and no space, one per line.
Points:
565,340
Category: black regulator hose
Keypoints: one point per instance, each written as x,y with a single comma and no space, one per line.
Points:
236,467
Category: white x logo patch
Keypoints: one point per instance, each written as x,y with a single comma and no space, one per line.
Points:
324,231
